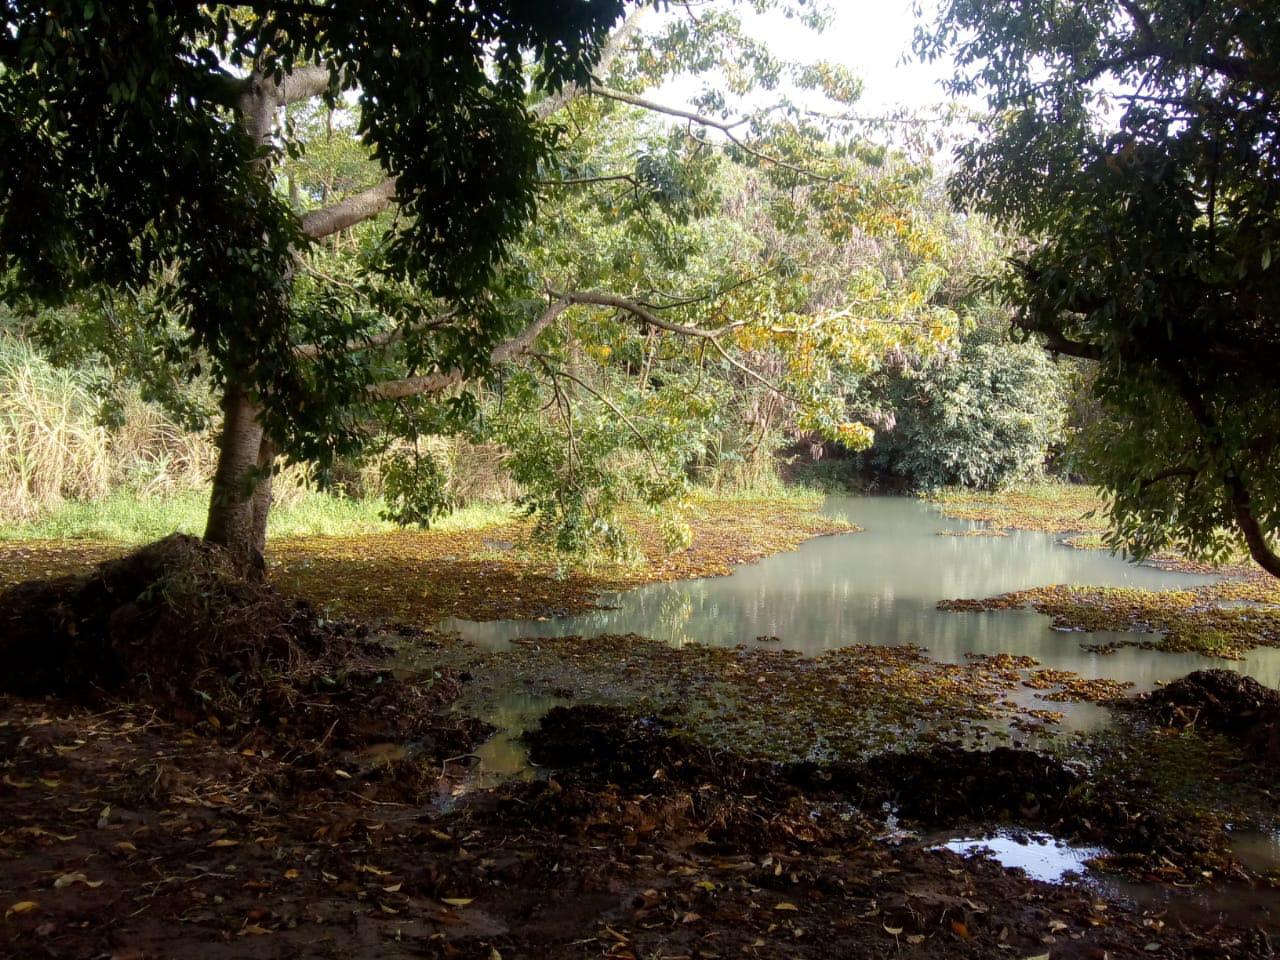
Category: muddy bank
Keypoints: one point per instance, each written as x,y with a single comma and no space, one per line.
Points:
173,626
942,786
294,798
1223,702
128,837
484,573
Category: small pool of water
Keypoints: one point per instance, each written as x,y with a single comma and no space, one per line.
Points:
1041,855
881,587
1053,860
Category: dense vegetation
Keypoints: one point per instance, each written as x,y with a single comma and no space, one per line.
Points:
688,299
1135,147
644,296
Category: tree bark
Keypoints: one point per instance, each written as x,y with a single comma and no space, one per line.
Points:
241,494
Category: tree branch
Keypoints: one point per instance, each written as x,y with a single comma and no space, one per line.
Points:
350,211
310,351
370,202
1056,341
608,54
508,350
724,126
1255,537
303,83
547,362
648,318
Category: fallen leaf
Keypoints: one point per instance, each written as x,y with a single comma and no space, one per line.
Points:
457,901
67,879
255,930
785,905
960,929
291,874
22,906
225,842
394,888
892,931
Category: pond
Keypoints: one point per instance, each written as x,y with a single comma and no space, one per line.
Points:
881,587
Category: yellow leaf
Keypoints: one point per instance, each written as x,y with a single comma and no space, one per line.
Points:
892,931
457,901
785,905
67,879
225,842
394,888
22,906
291,874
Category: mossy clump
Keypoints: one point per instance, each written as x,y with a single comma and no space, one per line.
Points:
176,626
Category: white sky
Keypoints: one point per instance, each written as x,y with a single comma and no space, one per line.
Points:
871,38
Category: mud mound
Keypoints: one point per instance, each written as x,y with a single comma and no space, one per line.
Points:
946,784
1223,702
597,748
174,625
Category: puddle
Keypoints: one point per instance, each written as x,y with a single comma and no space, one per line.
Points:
1258,850
1041,855
503,757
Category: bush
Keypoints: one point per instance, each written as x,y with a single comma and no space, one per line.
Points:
983,417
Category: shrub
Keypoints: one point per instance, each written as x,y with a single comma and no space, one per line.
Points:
982,417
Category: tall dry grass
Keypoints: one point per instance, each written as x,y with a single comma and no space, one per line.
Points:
53,449
54,452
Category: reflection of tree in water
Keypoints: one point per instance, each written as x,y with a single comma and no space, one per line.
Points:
881,587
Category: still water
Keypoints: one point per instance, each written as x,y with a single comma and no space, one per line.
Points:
881,587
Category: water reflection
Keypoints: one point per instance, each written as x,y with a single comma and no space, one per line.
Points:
880,587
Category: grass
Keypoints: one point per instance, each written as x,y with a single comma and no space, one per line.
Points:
126,518
53,447
1047,507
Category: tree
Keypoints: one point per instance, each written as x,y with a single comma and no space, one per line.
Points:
1136,145
176,196
136,157
982,416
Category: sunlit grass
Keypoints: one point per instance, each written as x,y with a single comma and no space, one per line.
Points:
126,518
1050,507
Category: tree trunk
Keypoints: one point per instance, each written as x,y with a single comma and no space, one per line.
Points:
241,495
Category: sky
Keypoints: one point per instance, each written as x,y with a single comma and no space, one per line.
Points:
872,37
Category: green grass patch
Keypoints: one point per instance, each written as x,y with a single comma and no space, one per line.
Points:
1047,507
126,518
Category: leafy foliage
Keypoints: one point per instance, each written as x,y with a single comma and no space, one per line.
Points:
1136,144
982,417
125,162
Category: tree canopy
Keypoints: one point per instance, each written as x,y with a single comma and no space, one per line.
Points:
369,229
1136,145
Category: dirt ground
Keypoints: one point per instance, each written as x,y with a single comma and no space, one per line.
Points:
195,766
128,837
